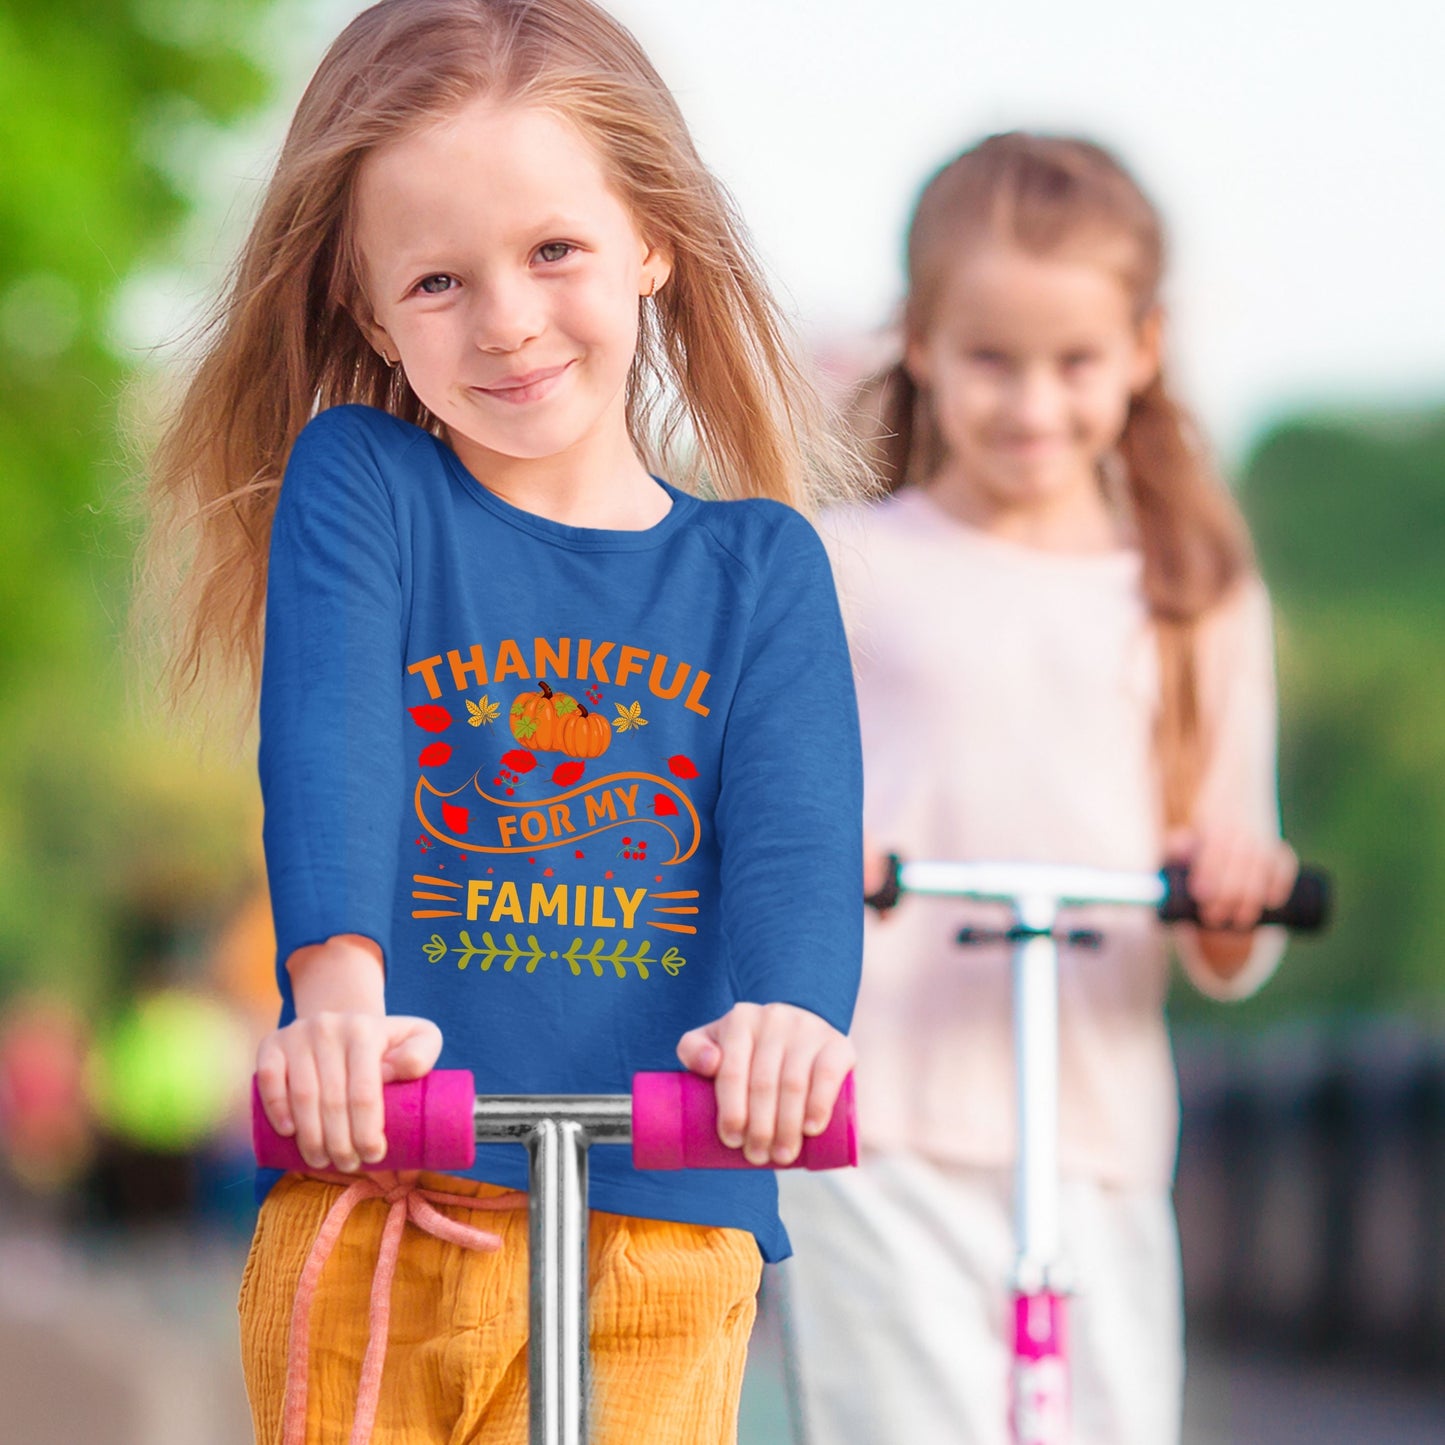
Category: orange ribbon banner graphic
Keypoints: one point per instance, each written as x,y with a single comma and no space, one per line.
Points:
472,819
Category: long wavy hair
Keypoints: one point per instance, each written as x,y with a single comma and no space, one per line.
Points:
1050,195
715,395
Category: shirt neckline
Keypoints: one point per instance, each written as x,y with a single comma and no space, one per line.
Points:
563,534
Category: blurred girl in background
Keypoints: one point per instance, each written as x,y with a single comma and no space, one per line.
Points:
1064,655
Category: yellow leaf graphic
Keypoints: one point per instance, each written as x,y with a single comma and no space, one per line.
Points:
628,717
482,711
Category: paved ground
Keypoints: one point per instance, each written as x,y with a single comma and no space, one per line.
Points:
137,1347
1229,1401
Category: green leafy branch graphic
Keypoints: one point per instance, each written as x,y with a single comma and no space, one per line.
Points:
617,958
488,951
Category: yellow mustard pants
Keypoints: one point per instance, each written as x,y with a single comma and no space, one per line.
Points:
671,1310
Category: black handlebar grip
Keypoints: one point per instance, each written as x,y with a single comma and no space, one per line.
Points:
887,894
1306,911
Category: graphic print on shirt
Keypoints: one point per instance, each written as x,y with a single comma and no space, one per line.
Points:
539,793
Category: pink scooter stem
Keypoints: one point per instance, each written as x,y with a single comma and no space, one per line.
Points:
430,1125
1040,1369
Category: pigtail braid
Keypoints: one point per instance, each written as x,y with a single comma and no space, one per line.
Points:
1195,550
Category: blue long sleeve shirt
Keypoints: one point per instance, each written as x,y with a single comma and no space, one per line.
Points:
587,789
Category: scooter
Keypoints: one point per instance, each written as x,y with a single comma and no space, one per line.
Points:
670,1119
1036,894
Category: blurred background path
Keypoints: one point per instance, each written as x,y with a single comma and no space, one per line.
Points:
137,1346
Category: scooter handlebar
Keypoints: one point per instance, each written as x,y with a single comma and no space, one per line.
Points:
1307,910
429,1125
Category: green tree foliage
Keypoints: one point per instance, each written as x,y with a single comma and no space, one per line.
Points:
1349,517
94,99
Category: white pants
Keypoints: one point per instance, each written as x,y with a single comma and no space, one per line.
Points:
897,1307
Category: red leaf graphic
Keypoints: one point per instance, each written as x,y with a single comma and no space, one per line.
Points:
519,760
663,806
564,774
456,818
435,755
431,717
682,767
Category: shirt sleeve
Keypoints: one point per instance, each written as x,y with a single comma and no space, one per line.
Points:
331,704
1239,716
789,811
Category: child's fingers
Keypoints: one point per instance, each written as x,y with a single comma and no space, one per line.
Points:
364,1098
1256,870
734,1073
875,868
697,1051
1230,887
1204,859
305,1097
794,1089
412,1048
770,1050
271,1085
1267,879
1238,876
778,1070
1212,879
332,1061
1283,876
830,1068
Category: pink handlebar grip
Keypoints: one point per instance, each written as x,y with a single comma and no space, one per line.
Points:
674,1126
428,1125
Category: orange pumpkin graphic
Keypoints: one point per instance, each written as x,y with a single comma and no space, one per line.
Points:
534,717
584,734
555,722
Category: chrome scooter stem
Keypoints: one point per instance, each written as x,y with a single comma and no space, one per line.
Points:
557,1133
1036,1062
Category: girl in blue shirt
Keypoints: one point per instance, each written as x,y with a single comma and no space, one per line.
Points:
560,762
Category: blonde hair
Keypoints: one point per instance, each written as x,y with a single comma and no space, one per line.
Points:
1049,195
715,393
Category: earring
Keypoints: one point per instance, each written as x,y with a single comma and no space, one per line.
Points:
652,289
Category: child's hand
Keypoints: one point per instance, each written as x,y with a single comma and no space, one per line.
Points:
875,865
778,1070
880,883
1234,874
320,1079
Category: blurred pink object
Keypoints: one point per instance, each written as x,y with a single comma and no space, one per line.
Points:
45,1124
